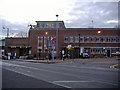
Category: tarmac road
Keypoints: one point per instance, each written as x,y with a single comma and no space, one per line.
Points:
68,75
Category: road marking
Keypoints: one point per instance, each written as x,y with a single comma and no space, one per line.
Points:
113,66
61,85
72,81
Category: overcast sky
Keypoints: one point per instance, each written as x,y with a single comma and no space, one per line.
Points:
17,14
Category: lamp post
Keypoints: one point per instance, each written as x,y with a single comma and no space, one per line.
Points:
7,32
46,45
99,33
57,37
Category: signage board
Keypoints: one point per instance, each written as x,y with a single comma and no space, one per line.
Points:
54,40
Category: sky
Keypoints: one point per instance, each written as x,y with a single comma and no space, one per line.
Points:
17,14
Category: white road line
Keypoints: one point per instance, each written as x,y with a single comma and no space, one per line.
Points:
61,85
84,82
71,81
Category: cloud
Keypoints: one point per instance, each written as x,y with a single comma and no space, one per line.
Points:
100,12
14,28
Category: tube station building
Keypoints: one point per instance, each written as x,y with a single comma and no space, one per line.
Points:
41,41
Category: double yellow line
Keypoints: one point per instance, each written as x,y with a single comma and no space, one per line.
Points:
113,66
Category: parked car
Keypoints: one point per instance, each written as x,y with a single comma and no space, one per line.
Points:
84,55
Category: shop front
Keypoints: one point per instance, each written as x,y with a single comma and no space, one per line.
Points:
17,51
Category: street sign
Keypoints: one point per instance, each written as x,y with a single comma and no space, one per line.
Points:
54,40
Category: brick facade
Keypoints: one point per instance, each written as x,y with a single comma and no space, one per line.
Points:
107,42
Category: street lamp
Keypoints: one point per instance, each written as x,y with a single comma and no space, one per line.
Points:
46,33
57,37
99,33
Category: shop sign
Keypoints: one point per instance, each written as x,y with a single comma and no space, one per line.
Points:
13,46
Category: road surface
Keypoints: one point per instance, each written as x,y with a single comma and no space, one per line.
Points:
16,74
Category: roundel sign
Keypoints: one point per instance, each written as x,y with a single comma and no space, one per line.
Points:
54,40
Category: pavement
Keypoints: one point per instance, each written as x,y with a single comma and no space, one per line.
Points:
68,60
115,62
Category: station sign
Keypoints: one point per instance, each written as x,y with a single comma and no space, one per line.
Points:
54,40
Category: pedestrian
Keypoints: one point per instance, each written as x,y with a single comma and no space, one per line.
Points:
50,57
63,57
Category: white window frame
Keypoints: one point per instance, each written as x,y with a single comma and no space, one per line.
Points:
103,40
87,39
92,40
71,39
97,40
108,39
77,39
113,38
82,41
92,50
66,41
97,50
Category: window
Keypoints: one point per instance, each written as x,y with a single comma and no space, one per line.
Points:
81,39
87,39
66,39
113,39
44,25
102,39
97,39
76,39
113,50
52,26
92,39
103,50
108,39
118,49
118,39
41,25
97,50
71,39
40,44
48,25
92,50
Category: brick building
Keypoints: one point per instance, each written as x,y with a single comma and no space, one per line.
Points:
41,40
